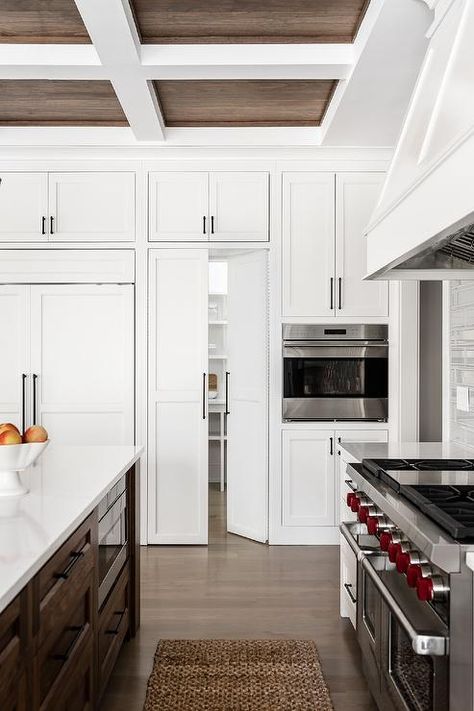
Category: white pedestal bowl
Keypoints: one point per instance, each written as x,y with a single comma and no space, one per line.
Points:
13,459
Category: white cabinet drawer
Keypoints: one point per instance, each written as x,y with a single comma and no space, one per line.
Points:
348,582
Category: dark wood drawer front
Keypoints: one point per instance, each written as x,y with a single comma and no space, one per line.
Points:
113,626
63,578
13,644
76,690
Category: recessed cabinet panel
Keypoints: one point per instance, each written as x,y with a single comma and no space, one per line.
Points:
86,207
356,196
178,206
23,207
13,350
308,478
82,353
308,244
239,206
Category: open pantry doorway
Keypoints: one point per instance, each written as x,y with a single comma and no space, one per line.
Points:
238,394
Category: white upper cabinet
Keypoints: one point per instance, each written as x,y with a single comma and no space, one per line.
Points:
67,207
238,207
85,207
324,250
23,207
218,206
178,206
308,244
356,196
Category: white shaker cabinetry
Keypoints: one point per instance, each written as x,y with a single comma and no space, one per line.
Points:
324,251
23,207
225,206
177,405
70,362
356,196
308,478
83,206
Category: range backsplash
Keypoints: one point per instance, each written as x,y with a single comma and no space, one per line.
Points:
462,359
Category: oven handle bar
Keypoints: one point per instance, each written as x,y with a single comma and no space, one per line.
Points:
425,644
332,351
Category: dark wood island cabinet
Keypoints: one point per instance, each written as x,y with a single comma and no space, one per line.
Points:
57,645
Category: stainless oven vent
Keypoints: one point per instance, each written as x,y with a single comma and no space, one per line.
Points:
455,251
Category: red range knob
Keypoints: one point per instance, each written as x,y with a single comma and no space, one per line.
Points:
349,498
385,540
413,573
355,503
393,551
424,589
363,514
403,561
372,525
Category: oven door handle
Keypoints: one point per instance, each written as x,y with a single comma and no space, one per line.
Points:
433,645
325,351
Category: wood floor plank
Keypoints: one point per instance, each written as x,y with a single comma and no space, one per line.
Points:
237,589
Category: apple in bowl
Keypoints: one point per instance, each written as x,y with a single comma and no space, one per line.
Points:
18,452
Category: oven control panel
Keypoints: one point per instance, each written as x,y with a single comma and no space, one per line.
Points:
430,584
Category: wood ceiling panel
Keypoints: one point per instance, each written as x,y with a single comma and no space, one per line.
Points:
40,21
244,102
227,21
59,103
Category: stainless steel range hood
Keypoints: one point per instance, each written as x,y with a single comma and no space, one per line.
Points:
423,225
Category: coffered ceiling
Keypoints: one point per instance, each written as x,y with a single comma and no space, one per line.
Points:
154,67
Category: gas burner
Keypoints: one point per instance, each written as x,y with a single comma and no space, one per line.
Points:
452,507
441,464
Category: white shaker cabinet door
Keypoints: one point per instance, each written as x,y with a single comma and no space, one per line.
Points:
14,354
82,354
178,206
177,406
308,244
239,203
308,478
23,207
92,206
247,421
356,196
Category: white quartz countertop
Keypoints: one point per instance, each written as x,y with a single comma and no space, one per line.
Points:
65,485
405,450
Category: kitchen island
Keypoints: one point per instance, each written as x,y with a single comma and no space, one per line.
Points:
69,576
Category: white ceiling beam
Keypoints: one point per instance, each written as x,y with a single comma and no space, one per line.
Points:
115,38
43,61
247,61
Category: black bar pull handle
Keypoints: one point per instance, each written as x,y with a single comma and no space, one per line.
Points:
115,630
23,401
227,376
204,396
212,224
348,587
43,225
75,557
331,446
64,656
331,293
35,383
51,223
204,224
339,283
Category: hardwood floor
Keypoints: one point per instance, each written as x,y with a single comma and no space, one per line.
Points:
236,589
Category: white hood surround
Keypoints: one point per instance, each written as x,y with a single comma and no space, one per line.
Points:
429,192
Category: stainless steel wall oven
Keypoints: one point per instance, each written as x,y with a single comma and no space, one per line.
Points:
335,372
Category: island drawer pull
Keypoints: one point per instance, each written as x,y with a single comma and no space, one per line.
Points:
75,557
64,656
116,629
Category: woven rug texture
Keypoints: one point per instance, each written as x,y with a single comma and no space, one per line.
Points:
221,675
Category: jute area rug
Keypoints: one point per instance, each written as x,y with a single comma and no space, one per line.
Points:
220,675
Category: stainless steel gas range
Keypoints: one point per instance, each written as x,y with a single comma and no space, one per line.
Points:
415,525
